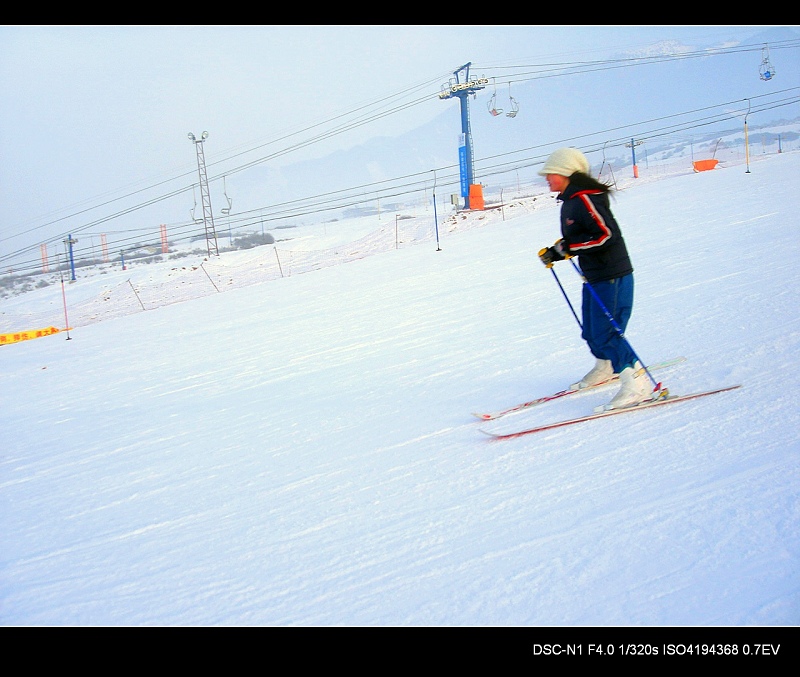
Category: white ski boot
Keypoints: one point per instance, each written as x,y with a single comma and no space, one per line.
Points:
635,388
602,371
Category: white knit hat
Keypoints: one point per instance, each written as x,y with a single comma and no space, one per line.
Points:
565,162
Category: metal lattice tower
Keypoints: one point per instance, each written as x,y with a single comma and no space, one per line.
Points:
205,195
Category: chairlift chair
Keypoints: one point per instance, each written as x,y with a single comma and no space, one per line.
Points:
492,105
226,210
513,103
191,211
766,71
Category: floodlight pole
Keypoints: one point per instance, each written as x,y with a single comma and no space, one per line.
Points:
205,195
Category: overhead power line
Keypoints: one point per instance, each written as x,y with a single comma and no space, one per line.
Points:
389,105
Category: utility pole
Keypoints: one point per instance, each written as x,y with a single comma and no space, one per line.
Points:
462,90
205,196
632,145
747,140
69,242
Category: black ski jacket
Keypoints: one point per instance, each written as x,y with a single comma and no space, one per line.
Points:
591,232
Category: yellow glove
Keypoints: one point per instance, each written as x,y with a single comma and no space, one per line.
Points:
558,252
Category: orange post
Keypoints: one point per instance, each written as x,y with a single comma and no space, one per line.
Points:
476,196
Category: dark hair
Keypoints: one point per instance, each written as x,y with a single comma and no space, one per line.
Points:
585,182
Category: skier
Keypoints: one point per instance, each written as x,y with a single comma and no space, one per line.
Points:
590,232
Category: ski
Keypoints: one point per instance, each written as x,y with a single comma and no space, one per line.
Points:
666,399
563,393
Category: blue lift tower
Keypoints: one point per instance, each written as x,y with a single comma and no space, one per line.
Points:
455,87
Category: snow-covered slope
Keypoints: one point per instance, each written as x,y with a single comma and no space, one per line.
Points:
301,452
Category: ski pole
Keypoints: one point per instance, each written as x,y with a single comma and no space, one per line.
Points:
613,322
552,270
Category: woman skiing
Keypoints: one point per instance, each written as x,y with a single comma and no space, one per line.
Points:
590,232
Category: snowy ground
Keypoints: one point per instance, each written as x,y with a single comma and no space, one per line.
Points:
301,452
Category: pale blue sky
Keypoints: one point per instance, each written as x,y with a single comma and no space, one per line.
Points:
92,111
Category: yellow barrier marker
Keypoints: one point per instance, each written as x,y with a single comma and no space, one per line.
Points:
17,336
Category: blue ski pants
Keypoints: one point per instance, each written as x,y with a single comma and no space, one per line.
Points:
604,341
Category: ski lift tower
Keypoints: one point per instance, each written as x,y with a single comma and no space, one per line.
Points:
205,196
455,87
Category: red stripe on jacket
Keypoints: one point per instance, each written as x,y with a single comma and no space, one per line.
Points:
596,217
